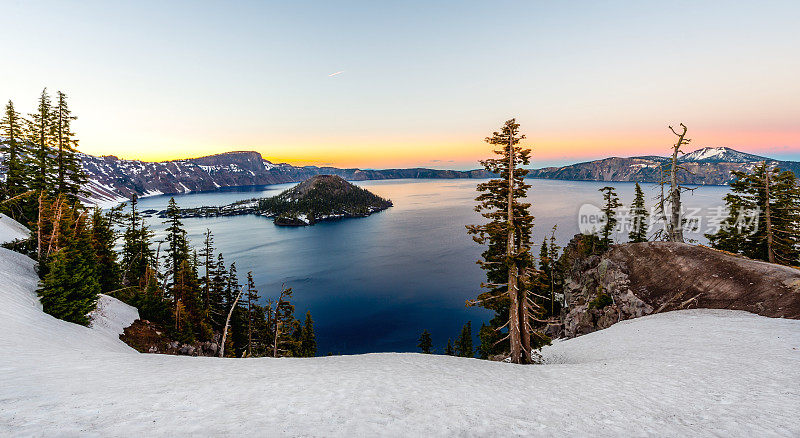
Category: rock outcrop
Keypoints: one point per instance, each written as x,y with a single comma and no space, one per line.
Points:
146,337
637,279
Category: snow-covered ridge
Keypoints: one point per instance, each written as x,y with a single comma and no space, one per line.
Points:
721,154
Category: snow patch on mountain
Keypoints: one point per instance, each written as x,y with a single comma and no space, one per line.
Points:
721,154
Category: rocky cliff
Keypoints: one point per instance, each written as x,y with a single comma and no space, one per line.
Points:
636,279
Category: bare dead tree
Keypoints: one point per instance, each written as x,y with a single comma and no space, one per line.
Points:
675,229
673,225
768,216
228,323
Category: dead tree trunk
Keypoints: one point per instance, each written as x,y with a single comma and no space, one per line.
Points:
768,216
675,226
227,323
39,225
515,329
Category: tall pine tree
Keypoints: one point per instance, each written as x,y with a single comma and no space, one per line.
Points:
15,151
507,260
69,289
69,175
464,342
308,340
610,204
763,220
42,135
639,217
425,343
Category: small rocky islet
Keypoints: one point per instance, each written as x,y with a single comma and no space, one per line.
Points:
319,198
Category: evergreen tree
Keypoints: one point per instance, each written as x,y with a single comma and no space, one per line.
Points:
772,197
449,349
507,260
308,340
238,328
70,287
464,342
639,217
252,299
207,260
15,153
218,286
186,304
488,336
611,202
177,245
137,256
425,342
550,278
283,325
70,176
103,240
41,132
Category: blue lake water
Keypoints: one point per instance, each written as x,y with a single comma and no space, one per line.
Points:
373,284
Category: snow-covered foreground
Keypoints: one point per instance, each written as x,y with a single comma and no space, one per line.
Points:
719,373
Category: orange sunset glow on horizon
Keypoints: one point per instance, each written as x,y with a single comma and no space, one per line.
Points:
415,87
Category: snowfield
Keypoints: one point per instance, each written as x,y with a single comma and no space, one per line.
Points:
688,373
11,230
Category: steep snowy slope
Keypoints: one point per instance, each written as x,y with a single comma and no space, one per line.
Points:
11,230
689,373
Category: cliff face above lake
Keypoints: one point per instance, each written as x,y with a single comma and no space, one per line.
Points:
654,277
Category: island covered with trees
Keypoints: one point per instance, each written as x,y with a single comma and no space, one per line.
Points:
319,198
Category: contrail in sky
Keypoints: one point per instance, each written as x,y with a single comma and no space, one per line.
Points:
335,74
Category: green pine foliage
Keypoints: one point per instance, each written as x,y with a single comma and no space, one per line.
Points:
448,350
551,277
425,344
610,203
500,260
639,217
745,229
138,262
14,148
308,340
69,175
41,134
104,238
464,342
489,337
69,289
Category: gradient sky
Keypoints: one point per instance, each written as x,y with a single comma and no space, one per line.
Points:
422,83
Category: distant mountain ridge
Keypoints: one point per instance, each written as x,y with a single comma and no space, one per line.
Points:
704,166
113,180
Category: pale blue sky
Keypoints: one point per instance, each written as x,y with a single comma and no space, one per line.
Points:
423,82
